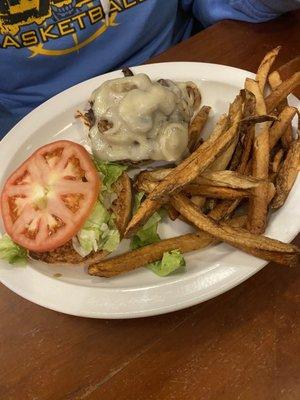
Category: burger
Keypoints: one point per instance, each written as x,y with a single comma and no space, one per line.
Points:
63,206
135,119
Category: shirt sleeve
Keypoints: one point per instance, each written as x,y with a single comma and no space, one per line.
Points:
210,11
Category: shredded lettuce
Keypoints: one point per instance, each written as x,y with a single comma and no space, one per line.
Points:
172,261
11,252
98,233
110,173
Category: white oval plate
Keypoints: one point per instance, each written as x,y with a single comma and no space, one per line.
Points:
140,293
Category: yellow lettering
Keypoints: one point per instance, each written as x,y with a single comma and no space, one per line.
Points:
64,27
46,33
9,41
79,19
95,14
128,4
29,38
115,6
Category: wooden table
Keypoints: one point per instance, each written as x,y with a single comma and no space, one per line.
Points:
241,345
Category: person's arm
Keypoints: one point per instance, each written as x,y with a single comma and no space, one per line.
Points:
210,11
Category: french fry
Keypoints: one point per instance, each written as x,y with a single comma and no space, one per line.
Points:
228,179
233,188
183,174
139,258
127,72
172,213
264,68
279,127
224,209
224,158
275,81
199,201
277,160
260,246
147,254
282,91
292,65
153,175
258,207
194,92
190,168
287,175
216,192
225,178
196,126
219,129
247,131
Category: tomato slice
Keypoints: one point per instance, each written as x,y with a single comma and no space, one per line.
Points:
46,201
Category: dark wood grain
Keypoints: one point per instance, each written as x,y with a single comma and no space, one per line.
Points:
241,345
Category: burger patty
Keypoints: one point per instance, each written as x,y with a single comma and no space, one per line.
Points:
67,255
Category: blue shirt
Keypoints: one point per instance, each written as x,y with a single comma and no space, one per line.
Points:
50,45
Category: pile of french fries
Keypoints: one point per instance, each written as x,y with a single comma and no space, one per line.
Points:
230,183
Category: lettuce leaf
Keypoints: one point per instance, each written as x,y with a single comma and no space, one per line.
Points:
137,201
171,261
98,232
110,173
12,252
148,233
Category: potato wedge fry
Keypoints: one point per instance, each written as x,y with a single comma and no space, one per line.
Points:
260,246
264,68
287,175
196,126
279,127
282,91
139,258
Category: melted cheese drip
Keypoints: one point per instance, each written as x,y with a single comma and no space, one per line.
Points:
148,121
